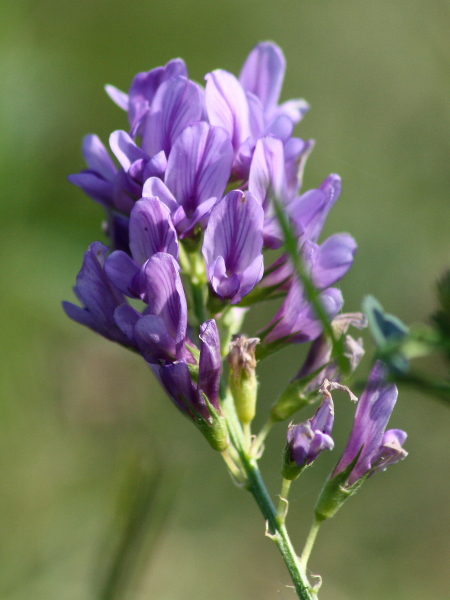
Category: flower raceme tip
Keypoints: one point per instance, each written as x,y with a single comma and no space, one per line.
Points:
189,196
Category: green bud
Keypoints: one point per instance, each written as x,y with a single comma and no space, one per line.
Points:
243,381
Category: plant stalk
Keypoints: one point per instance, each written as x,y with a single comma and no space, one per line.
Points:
277,531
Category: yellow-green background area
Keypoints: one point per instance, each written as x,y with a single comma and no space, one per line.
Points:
82,422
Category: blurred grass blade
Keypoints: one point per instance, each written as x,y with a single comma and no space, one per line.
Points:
145,502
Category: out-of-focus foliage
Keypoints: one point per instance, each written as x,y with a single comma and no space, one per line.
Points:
75,410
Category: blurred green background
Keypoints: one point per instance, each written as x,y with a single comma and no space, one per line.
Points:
84,429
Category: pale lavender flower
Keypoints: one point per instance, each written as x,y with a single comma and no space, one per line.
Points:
142,91
176,104
247,108
377,449
233,244
262,76
267,182
328,262
198,171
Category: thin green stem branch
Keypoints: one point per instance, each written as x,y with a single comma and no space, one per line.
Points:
260,438
277,531
310,541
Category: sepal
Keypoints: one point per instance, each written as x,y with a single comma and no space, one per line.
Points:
214,429
335,492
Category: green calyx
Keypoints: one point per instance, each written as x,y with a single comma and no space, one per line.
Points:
336,491
290,469
215,430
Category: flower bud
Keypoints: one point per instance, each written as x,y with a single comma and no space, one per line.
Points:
243,381
307,440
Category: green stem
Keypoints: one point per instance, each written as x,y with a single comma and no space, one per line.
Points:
277,531
282,505
199,301
310,541
248,435
260,438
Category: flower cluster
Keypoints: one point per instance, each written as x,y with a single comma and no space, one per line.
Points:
190,218
202,188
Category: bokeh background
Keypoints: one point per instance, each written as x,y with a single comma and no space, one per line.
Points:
84,431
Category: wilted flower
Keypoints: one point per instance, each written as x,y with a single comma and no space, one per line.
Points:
243,380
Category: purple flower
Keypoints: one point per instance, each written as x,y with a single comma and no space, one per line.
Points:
310,210
296,320
320,353
198,170
267,182
200,401
262,76
151,231
233,244
98,180
377,449
307,440
210,364
99,296
247,108
161,333
143,89
176,104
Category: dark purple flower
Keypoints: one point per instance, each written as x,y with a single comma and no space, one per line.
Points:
296,320
160,334
232,245
307,440
377,449
98,295
200,401
210,365
177,381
